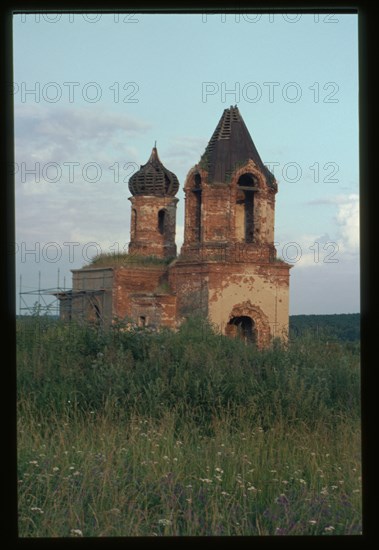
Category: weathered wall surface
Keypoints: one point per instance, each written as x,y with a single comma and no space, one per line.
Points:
189,280
153,310
135,280
227,270
259,292
150,236
92,294
222,212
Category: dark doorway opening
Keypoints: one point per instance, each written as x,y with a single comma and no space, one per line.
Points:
243,328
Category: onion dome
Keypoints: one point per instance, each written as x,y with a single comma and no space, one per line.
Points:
153,179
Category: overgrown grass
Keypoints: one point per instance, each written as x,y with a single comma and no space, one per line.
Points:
128,433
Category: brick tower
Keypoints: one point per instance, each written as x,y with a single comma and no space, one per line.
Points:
153,218
228,269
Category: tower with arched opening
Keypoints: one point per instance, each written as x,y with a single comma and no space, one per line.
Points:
228,269
153,219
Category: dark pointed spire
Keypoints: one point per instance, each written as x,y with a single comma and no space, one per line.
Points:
229,147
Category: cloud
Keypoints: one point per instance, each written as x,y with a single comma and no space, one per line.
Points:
347,219
183,153
46,134
53,210
308,250
327,264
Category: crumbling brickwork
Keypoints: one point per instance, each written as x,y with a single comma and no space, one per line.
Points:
153,226
227,270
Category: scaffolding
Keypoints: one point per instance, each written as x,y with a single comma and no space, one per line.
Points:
45,300
57,301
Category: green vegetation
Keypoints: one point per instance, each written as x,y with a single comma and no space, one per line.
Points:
128,432
343,327
112,259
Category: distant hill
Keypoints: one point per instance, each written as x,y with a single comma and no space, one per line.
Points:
343,327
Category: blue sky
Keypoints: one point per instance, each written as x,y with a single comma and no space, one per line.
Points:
107,86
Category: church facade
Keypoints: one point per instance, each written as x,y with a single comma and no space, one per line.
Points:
227,269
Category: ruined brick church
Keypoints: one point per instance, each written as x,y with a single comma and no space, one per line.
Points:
227,270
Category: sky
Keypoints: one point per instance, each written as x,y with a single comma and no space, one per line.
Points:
93,92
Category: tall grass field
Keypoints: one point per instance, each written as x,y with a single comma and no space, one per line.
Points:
134,433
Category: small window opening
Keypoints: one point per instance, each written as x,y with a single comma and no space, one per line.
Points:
198,199
248,183
161,221
197,181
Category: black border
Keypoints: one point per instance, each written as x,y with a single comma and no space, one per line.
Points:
368,188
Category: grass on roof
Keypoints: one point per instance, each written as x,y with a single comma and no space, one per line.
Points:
124,259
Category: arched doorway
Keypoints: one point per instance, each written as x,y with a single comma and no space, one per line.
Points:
243,328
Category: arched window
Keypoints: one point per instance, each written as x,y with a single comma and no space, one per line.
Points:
162,221
247,183
197,193
247,180
243,328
